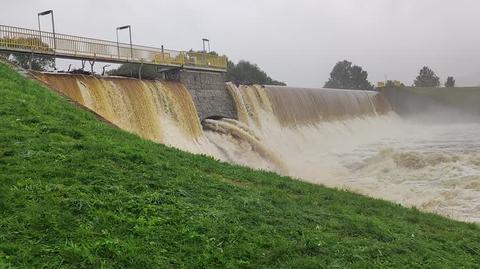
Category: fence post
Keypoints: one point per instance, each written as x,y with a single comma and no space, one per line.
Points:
163,57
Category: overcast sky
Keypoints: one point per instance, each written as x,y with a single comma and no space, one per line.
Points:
294,41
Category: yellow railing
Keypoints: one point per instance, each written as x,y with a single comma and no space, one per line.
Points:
27,40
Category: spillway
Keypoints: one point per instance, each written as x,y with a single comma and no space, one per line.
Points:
157,110
296,107
345,139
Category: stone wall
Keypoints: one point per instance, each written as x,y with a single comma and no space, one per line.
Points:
208,92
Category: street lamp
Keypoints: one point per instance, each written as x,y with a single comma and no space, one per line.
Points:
205,40
130,33
53,26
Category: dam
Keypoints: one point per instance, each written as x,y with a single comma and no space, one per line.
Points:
362,141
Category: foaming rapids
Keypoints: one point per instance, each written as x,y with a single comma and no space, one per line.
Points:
245,141
339,138
435,168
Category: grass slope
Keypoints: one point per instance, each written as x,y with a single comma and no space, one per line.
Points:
465,98
77,193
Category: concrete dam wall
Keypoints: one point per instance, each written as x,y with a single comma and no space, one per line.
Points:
208,93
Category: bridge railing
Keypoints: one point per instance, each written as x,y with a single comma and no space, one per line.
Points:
28,40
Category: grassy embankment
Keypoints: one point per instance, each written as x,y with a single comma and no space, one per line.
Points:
75,192
464,98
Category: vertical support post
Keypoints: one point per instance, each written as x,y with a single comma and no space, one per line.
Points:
163,55
131,47
140,71
54,43
118,47
205,40
39,29
92,63
54,37
30,61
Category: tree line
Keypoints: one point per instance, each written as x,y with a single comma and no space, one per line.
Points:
345,75
243,72
247,73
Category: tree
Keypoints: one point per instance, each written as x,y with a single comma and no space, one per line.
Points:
450,83
129,70
247,73
426,78
38,62
346,76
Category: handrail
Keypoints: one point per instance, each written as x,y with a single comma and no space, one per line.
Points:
22,39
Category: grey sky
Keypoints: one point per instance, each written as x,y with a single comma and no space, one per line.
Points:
294,41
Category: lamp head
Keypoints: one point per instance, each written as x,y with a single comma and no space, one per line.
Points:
45,12
123,27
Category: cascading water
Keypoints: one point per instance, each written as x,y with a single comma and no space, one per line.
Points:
353,140
339,138
246,142
160,111
304,127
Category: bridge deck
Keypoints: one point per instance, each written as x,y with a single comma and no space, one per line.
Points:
21,40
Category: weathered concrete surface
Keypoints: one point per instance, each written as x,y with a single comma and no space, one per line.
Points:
208,92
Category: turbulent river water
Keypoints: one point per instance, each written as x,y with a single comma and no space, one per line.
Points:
338,138
435,168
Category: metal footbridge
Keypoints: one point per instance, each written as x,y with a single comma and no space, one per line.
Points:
35,42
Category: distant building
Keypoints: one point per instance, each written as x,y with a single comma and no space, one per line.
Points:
389,83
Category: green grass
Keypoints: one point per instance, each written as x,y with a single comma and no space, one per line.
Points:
464,98
77,193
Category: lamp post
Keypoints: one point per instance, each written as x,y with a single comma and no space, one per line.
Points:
130,34
53,27
207,41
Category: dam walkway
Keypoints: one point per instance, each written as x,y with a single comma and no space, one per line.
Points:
35,42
